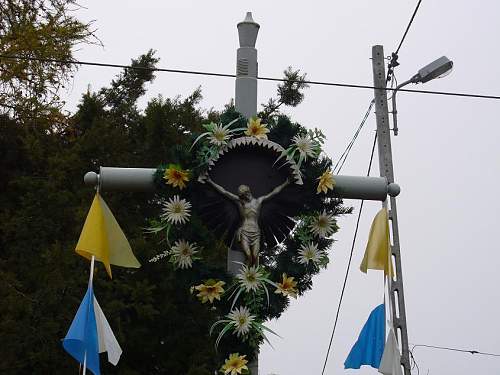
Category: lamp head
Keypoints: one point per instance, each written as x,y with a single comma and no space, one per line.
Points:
436,69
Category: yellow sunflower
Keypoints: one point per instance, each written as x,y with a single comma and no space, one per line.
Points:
210,290
326,182
235,364
176,176
287,287
256,129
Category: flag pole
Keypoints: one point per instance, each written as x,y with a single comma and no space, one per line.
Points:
84,363
91,277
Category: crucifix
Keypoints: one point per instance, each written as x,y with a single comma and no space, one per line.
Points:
248,234
249,208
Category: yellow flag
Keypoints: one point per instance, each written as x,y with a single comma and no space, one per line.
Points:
103,238
377,253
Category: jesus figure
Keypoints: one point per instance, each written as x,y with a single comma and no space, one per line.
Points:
248,234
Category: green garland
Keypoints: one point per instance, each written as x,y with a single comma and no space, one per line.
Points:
243,303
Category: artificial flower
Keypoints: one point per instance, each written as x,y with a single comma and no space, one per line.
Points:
219,134
304,145
176,176
323,225
287,287
326,182
241,320
256,129
235,364
309,253
182,254
251,278
176,210
210,290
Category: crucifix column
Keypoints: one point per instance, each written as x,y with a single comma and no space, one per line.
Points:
245,96
245,102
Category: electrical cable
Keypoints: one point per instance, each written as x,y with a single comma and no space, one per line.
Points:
455,350
408,27
319,83
394,56
349,262
414,363
346,152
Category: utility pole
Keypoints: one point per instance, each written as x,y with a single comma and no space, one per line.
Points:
396,293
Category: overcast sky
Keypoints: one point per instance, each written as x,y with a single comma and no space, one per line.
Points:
446,157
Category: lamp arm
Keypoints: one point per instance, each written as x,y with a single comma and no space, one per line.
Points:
394,109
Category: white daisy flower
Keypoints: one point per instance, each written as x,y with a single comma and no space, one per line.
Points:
304,145
176,210
219,135
250,278
182,254
323,225
241,320
309,253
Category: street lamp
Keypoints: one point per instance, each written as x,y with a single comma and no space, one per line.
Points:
436,69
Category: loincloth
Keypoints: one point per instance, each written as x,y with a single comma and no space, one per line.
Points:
251,237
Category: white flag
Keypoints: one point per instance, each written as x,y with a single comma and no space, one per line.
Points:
107,340
391,359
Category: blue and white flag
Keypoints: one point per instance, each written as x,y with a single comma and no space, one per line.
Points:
90,334
391,359
370,345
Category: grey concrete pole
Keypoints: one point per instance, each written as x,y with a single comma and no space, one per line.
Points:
245,102
247,67
396,293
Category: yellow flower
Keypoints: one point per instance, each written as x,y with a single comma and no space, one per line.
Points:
210,290
287,287
176,177
326,182
256,129
235,364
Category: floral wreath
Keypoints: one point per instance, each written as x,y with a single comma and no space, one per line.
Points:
244,302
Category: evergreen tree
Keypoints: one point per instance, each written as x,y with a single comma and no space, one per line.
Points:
38,31
43,203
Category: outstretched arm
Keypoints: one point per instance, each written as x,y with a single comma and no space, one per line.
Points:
223,191
275,191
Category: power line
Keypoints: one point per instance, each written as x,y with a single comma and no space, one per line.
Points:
394,56
226,75
408,27
455,350
415,365
348,263
345,154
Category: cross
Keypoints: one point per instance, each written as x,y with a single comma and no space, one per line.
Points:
142,179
